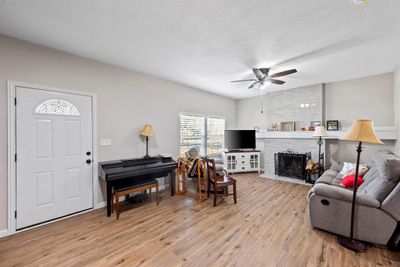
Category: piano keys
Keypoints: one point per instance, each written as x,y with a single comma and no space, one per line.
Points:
138,168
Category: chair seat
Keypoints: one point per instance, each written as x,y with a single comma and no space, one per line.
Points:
133,184
224,180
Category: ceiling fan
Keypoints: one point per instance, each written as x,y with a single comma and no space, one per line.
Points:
262,76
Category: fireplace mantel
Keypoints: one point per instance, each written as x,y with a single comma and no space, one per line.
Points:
384,133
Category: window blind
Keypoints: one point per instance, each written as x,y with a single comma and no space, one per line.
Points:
215,135
192,133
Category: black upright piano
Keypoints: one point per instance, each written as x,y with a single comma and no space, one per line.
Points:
138,168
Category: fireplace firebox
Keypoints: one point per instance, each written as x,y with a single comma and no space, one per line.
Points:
289,164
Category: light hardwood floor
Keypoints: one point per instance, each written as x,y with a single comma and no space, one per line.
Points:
268,227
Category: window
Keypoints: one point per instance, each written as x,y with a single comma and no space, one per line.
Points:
206,133
57,107
215,135
192,133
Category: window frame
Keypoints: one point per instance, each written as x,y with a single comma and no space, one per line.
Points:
206,117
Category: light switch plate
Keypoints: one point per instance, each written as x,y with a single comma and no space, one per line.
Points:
105,142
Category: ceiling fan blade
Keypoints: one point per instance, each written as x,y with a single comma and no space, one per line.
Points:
248,80
258,73
283,73
274,81
252,85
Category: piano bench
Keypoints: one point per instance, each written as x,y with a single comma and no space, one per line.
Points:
123,189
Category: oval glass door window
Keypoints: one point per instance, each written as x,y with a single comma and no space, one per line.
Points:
57,107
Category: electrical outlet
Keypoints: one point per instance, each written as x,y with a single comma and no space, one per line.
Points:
105,142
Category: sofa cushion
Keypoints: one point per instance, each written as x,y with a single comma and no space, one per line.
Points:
388,165
370,175
330,177
336,166
378,181
378,188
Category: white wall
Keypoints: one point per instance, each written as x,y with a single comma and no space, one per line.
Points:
369,98
364,98
126,101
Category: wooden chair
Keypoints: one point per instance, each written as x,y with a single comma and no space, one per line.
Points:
219,182
126,188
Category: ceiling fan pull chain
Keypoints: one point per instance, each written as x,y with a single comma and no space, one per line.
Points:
261,100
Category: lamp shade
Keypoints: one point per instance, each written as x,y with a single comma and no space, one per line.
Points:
147,130
320,132
362,131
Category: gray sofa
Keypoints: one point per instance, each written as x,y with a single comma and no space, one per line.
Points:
378,201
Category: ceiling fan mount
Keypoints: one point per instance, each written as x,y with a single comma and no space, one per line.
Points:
262,76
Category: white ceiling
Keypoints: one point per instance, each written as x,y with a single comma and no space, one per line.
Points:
205,44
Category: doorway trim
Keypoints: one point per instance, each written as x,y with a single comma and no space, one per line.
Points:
11,176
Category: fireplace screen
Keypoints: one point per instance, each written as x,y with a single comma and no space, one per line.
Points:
291,164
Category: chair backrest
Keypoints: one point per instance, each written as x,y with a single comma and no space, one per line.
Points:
211,170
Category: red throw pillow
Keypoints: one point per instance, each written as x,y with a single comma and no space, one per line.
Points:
348,181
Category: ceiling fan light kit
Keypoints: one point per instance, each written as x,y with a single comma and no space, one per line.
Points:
262,77
360,2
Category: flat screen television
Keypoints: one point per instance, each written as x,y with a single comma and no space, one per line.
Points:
240,139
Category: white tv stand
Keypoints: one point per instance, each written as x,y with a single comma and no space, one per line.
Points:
242,161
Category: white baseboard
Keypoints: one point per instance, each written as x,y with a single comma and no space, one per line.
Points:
3,233
100,205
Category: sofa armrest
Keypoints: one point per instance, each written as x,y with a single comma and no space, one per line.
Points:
344,195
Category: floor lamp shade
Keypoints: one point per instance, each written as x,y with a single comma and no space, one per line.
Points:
362,131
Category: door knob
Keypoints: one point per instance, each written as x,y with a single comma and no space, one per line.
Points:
88,161
88,153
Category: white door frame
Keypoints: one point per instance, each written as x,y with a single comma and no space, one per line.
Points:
11,199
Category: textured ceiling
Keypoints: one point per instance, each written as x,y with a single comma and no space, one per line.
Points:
205,44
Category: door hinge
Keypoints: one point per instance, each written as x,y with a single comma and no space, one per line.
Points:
15,214
15,157
15,101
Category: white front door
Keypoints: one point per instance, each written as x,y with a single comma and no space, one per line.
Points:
54,153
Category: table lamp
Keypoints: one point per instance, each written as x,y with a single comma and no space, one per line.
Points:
320,132
362,131
147,131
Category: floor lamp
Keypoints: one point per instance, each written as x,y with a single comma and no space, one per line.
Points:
320,132
362,131
146,132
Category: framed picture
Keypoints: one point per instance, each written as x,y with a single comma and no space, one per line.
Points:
288,126
332,125
315,124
